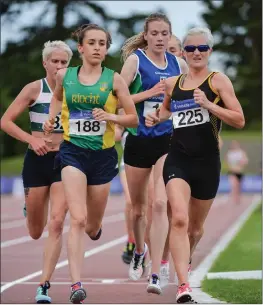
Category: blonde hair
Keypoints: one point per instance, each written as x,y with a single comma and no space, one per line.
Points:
178,41
201,31
137,41
50,46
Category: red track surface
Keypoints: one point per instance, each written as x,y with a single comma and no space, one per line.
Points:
20,260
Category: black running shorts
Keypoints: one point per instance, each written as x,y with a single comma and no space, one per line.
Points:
144,152
202,175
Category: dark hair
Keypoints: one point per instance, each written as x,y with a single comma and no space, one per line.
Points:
80,33
138,41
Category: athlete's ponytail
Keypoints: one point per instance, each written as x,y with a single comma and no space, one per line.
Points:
133,43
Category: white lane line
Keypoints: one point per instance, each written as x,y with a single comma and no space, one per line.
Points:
107,281
144,283
236,275
64,263
27,238
200,272
13,224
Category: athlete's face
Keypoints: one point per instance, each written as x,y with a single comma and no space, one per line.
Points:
157,36
174,47
198,58
57,60
94,46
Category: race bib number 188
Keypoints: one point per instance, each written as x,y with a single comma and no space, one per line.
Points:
83,124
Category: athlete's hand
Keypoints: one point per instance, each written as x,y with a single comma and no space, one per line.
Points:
48,126
152,119
39,145
201,99
158,89
101,115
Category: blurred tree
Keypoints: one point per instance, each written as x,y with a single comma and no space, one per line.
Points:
21,60
237,27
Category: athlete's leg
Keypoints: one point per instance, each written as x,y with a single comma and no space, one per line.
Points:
58,210
198,211
166,250
36,199
137,179
75,186
128,206
149,212
97,196
130,244
159,227
178,192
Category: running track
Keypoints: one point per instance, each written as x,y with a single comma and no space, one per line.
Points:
104,276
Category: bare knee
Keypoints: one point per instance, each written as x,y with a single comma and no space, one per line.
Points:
179,221
78,222
35,232
160,206
138,212
56,225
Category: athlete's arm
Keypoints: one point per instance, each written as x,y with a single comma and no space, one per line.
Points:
26,97
130,118
57,98
163,113
183,65
128,72
56,102
232,114
118,132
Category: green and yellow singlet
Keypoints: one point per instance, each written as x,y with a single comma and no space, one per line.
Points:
80,128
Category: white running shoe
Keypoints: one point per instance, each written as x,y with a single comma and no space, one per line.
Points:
164,275
154,285
136,265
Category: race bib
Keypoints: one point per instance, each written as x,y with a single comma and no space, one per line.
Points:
57,124
82,123
150,107
187,113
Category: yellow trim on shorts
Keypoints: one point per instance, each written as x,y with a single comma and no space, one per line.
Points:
109,135
65,117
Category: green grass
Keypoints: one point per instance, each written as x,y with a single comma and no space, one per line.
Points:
12,166
235,292
245,251
241,135
243,254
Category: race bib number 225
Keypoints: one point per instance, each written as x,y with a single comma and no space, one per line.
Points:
187,113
